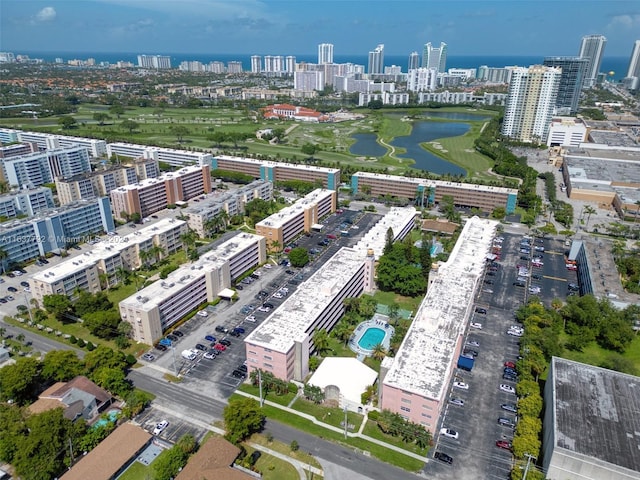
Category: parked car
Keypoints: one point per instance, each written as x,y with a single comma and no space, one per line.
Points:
503,444
447,432
148,357
26,284
510,365
12,289
457,401
507,388
202,313
239,329
509,377
473,343
201,347
178,333
481,310
443,457
160,427
461,385
239,374
506,422
509,407
172,337
221,329
225,342
219,347
210,355
161,347
250,319
210,338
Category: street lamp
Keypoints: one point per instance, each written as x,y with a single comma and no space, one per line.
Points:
27,305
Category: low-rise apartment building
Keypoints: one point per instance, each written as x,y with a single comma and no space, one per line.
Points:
427,192
278,172
157,307
414,382
283,342
233,202
17,149
171,156
54,230
101,267
154,194
48,141
27,202
100,183
282,227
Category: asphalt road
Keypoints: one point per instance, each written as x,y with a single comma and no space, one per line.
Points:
204,408
39,342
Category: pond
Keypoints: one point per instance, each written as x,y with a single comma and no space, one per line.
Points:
367,146
459,116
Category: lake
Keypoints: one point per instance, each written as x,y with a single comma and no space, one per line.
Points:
366,145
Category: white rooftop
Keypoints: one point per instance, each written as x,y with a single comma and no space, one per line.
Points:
376,238
427,351
277,164
288,213
291,322
442,183
104,249
150,297
217,198
351,376
165,176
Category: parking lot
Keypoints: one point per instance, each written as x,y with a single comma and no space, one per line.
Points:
475,453
176,428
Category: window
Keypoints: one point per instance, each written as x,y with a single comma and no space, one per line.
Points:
252,352
268,365
426,415
405,409
406,400
267,357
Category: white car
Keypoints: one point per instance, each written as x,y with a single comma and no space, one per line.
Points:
447,432
507,388
268,266
278,295
476,325
264,309
160,427
462,385
250,319
535,290
202,313
514,333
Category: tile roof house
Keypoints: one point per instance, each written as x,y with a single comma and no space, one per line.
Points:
79,397
213,461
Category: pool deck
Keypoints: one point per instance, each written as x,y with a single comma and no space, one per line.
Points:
378,321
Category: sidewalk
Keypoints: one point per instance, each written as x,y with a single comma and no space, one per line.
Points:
337,429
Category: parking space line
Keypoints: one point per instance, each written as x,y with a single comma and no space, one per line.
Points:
555,278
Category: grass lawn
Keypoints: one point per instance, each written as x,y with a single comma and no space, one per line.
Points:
371,429
271,396
405,303
273,468
593,354
285,449
137,471
382,453
331,415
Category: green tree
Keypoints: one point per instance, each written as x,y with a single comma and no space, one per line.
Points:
242,418
57,305
61,365
299,257
103,324
321,341
167,465
180,131
18,382
379,352
100,117
113,380
136,401
104,356
88,302
12,426
116,110
313,393
388,241
67,122
129,125
588,210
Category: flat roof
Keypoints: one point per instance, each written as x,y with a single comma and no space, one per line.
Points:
104,461
427,351
286,214
48,213
104,249
610,401
612,138
291,322
150,297
442,183
277,164
349,374
601,170
217,198
376,238
165,176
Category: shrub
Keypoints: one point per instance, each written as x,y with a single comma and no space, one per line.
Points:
374,415
294,446
81,343
73,339
90,346
130,359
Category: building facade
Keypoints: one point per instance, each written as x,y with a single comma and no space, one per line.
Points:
376,60
633,72
325,53
435,57
171,156
592,49
571,81
282,227
530,103
154,61
567,132
154,309
426,192
26,202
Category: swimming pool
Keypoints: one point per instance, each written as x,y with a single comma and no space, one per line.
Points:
112,417
371,337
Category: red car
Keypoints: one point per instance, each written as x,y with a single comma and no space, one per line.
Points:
503,444
331,236
509,364
219,347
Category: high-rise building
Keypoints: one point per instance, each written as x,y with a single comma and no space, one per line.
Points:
234,67
325,53
573,70
291,64
435,57
592,48
414,61
634,61
376,60
154,61
256,64
531,102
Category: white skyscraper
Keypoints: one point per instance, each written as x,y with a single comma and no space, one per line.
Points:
634,61
154,61
376,60
435,57
325,53
530,103
422,79
256,64
592,48
291,63
414,61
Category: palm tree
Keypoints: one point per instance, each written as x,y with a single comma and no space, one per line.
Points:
589,210
3,256
344,331
379,352
275,245
157,251
122,274
393,312
637,212
145,255
321,341
189,238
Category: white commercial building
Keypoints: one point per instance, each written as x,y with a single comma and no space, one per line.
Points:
422,79
566,132
154,61
177,158
387,98
308,81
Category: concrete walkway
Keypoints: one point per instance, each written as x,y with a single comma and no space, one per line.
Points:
337,429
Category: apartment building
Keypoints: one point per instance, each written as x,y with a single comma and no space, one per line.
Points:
154,194
17,149
171,156
231,202
36,169
280,228
99,268
278,172
26,202
48,141
159,306
427,192
54,230
283,342
414,382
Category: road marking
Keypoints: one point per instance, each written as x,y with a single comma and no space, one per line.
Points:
550,252
555,278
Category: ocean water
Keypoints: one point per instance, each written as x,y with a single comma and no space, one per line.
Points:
618,65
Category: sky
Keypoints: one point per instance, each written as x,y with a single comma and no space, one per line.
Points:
283,27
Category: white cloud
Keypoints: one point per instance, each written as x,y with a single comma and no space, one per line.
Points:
625,21
47,14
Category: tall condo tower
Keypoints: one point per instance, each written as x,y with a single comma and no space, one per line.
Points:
325,53
376,60
573,71
414,60
435,57
592,48
634,61
256,64
530,103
